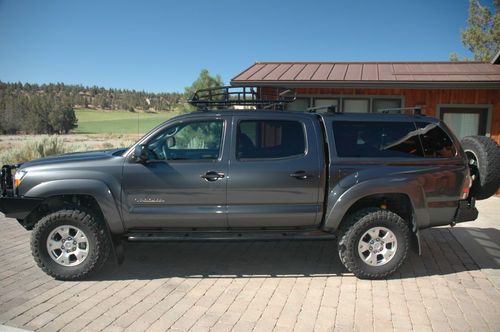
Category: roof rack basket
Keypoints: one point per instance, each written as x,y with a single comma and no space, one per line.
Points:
243,96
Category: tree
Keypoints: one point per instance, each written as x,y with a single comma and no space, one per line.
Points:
62,118
204,81
482,36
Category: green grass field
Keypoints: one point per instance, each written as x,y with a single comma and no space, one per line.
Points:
118,122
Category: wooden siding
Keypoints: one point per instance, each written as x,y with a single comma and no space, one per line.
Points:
428,99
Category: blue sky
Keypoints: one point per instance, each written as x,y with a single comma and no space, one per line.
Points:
163,45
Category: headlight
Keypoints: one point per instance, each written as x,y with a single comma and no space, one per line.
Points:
18,178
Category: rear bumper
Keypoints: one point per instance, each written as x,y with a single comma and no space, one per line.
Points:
466,211
17,207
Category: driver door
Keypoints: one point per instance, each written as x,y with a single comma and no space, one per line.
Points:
183,182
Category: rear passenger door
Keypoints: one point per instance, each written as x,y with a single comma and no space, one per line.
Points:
276,171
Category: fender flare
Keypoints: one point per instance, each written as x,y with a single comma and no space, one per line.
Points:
340,200
94,188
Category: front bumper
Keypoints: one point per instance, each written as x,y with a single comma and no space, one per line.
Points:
466,211
18,207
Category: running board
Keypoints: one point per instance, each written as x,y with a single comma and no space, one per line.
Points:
229,236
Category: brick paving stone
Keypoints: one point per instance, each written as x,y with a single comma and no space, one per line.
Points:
252,286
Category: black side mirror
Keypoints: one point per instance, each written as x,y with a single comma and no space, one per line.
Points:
141,153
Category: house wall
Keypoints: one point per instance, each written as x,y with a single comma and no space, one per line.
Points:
428,99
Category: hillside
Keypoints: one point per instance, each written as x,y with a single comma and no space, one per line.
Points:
50,108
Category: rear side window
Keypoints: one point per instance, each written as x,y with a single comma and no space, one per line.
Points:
374,139
436,143
270,139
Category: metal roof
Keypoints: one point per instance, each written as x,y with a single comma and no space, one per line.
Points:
466,74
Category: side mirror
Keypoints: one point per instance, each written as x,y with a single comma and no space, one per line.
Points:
171,142
141,153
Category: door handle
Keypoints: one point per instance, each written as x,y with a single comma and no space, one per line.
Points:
301,175
211,176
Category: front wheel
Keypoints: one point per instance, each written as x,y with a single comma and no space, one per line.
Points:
70,244
374,243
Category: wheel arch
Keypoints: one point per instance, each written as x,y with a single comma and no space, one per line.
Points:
405,198
76,201
91,193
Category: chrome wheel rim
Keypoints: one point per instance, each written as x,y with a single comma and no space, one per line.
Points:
377,246
68,245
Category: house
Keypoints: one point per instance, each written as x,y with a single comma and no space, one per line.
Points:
466,95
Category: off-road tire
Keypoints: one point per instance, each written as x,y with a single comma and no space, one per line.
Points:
356,225
487,171
99,244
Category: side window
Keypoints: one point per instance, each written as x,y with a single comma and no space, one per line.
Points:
199,140
376,139
269,139
436,143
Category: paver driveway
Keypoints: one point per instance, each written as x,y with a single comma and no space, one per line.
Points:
261,286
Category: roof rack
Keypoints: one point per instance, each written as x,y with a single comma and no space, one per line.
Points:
415,110
329,108
226,96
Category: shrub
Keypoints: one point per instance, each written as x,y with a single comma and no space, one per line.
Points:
38,148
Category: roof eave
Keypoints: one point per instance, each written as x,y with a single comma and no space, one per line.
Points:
373,84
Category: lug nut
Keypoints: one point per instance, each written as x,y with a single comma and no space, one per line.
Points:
74,242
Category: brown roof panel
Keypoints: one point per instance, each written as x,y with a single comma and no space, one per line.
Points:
385,72
307,72
323,71
261,74
354,71
338,72
278,71
466,74
370,72
292,72
250,71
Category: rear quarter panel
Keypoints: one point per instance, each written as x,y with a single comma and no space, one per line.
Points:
433,185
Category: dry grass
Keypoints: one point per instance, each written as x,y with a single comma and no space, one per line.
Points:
21,148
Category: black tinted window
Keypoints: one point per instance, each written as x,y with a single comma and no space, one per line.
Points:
376,139
270,139
437,144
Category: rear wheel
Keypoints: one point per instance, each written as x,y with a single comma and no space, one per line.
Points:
70,244
374,243
484,160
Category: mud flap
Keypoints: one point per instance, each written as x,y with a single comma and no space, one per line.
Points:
415,242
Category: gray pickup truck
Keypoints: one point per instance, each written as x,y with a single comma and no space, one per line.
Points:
371,181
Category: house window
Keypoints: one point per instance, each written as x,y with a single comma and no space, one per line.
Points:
326,102
387,105
465,121
356,106
299,105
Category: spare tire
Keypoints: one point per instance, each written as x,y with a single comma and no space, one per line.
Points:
484,162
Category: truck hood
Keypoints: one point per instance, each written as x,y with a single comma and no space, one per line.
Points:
74,157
